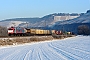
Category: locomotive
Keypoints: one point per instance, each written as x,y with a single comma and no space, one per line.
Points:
16,31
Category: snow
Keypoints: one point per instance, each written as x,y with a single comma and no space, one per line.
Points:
16,23
10,23
74,48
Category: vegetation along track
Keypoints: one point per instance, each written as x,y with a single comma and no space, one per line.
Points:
14,40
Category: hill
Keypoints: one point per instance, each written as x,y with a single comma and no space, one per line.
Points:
72,24
35,22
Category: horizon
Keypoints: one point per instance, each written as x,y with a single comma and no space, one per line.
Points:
35,17
31,8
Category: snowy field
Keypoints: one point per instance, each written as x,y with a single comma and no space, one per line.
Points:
74,48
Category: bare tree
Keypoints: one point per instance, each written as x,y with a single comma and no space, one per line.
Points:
83,30
3,31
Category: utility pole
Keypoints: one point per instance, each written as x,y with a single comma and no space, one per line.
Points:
45,23
63,27
14,24
45,27
27,24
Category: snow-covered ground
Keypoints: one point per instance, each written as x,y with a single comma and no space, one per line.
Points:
74,48
10,23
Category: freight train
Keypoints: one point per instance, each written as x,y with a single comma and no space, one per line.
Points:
20,31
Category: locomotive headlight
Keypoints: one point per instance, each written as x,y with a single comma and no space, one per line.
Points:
10,31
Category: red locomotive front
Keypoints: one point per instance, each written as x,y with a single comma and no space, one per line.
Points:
11,30
16,31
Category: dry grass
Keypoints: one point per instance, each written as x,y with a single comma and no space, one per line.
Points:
62,36
32,39
24,40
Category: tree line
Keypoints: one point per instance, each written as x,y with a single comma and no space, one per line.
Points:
83,30
3,31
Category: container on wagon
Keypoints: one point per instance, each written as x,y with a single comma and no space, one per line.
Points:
32,31
68,33
45,31
53,31
48,32
39,31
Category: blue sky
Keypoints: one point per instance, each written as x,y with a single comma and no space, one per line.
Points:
39,8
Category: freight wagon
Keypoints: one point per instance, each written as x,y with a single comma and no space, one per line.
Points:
38,32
